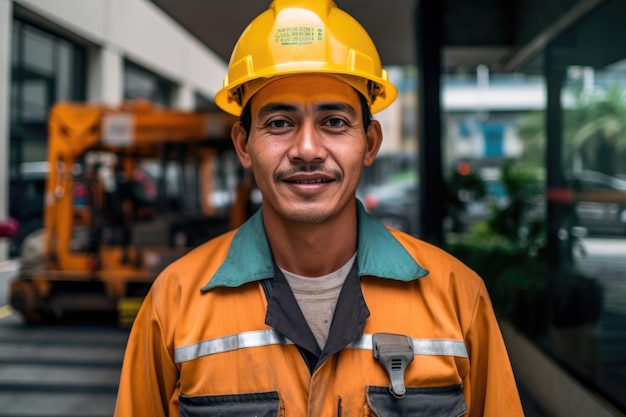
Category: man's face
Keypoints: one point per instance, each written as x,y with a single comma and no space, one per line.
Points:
307,147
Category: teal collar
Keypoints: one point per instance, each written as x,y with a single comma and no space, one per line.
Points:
378,254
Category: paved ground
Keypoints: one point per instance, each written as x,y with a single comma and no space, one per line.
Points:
531,407
60,370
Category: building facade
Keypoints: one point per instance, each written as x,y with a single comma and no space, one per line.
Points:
97,51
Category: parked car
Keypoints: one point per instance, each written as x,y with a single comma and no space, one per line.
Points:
606,215
394,202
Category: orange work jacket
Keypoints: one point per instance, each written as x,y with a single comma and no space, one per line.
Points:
207,341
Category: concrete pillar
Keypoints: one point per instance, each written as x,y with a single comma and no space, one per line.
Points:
113,77
184,98
106,72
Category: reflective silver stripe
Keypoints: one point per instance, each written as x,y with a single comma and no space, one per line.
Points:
438,347
228,343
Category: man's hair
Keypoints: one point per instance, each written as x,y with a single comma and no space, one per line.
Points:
246,115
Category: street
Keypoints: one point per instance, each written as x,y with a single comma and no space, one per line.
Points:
69,370
605,259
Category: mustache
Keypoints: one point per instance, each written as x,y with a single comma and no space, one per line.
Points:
336,174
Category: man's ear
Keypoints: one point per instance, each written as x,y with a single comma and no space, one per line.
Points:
374,137
240,141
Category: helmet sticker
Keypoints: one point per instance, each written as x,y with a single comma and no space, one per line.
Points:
298,35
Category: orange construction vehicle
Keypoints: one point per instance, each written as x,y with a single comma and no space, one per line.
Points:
129,190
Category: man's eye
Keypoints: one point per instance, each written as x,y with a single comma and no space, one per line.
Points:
277,124
335,122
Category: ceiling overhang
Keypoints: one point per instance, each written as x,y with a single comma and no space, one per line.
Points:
503,34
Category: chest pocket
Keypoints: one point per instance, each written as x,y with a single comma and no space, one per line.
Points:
260,404
418,402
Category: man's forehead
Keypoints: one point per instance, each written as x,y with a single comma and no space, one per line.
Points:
294,107
306,89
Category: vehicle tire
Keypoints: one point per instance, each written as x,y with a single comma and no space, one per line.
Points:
23,300
395,222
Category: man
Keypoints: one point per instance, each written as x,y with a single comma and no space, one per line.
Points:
313,307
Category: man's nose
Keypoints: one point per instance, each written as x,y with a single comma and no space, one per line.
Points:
308,145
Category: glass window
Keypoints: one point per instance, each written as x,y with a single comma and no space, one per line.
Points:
14,103
39,50
45,68
139,83
586,64
36,99
17,27
203,103
64,64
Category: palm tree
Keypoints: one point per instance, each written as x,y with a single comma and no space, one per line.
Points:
594,132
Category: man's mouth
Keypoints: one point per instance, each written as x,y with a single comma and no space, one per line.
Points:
313,181
308,175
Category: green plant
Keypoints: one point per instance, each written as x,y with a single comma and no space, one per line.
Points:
521,295
461,188
508,251
577,300
594,131
518,221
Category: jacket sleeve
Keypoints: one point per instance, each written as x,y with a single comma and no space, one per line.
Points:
490,388
149,379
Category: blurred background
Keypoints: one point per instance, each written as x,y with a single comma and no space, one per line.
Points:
506,147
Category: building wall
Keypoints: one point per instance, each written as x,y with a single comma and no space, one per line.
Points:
136,30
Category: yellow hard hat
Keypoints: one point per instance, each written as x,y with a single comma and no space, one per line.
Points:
299,37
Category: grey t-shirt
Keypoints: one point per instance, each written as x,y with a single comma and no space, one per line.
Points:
317,298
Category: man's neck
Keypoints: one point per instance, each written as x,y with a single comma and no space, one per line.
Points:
312,250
